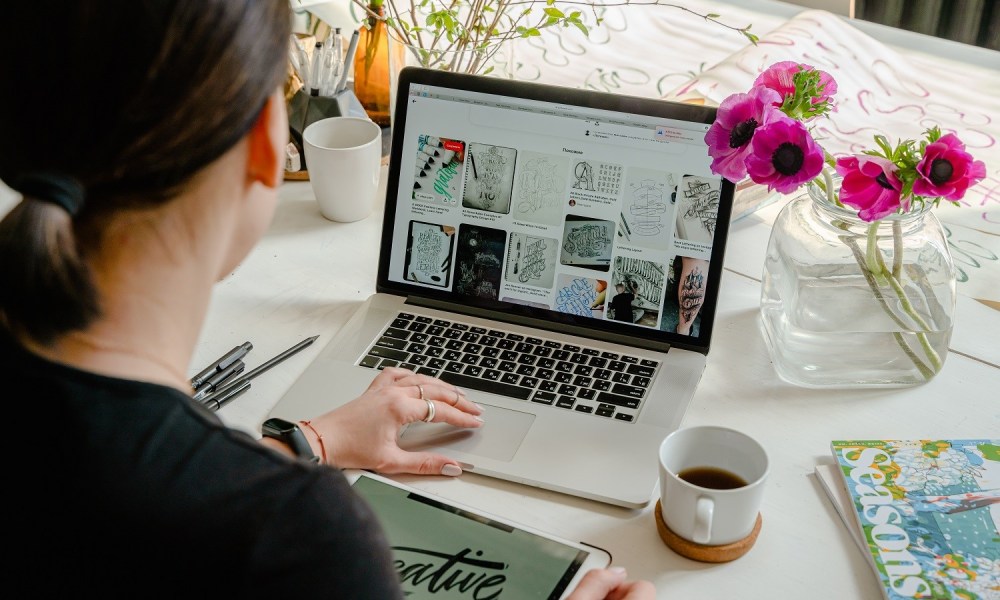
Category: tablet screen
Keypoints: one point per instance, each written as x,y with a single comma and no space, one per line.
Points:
445,552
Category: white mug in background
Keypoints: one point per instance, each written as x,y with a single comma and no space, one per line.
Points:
343,158
728,469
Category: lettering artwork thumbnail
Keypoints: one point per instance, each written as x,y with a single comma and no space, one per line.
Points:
428,253
582,296
531,260
489,178
646,215
437,174
541,188
587,242
479,261
686,285
638,288
697,208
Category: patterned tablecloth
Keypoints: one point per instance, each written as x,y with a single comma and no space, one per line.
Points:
659,51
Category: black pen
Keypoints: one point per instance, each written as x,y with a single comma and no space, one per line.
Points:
216,402
227,359
264,367
219,379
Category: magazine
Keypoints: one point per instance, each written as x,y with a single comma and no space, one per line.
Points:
926,512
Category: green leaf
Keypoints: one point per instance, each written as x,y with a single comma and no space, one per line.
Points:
488,71
582,27
712,16
554,12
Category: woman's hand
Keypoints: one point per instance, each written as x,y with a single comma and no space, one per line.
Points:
610,584
364,433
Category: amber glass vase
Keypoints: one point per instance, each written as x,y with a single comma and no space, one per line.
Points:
373,67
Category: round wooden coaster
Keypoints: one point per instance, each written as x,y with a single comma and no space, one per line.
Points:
701,552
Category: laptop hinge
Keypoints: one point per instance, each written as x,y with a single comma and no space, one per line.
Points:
606,336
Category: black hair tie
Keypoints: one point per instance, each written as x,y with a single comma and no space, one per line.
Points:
54,188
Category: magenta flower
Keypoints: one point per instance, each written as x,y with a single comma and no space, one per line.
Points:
737,119
783,155
947,170
780,77
870,185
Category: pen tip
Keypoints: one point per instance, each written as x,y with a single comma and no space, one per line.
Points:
313,338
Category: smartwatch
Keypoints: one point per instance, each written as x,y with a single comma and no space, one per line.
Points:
289,434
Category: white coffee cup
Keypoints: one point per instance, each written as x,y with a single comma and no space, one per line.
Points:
343,158
709,515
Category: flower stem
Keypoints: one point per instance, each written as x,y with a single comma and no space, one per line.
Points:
876,290
897,248
932,354
829,187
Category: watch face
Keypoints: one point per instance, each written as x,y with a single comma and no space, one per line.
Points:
277,426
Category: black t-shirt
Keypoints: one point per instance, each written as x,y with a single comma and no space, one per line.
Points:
123,488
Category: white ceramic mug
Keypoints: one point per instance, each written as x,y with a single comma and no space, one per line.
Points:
704,515
343,157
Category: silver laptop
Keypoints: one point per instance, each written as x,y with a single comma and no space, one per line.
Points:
541,248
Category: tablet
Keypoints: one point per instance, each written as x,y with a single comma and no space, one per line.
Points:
445,550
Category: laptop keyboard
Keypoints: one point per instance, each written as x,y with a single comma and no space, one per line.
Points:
587,380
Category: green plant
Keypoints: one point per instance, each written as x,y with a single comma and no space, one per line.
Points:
463,35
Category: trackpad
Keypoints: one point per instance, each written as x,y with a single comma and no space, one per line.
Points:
498,438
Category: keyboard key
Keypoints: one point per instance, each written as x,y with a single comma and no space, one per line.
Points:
604,411
506,344
470,337
562,377
565,402
641,381
527,359
418,359
531,382
571,348
582,381
492,374
544,397
478,330
565,367
416,348
533,340
425,320
397,322
507,366
585,370
601,385
442,323
497,333
452,355
473,371
515,337
586,394
437,340
602,374
473,348
591,352
541,351
624,417
404,315
628,390
545,373
579,358
408,366
454,344
597,361
629,359
511,378
525,347
419,338
434,352
470,359
388,363
369,361
488,340
548,386
648,363
508,355
437,363
491,352
427,371
454,367
390,353
460,326
417,327
561,355
552,344
609,355
488,362
452,334
643,371
527,370
584,408
389,342
616,365
546,363
617,400
567,389
434,330
621,378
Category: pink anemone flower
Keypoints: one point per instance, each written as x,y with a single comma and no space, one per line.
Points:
780,77
870,185
737,119
947,170
784,156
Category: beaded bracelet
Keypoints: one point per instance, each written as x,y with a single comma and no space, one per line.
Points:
322,445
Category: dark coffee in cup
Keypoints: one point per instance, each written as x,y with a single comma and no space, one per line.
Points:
712,478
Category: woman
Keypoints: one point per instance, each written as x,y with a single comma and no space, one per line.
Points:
148,170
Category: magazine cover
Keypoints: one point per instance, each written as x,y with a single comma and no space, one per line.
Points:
929,511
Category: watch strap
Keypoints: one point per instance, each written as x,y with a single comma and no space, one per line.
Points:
291,435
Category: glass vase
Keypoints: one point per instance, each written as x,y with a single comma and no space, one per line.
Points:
847,303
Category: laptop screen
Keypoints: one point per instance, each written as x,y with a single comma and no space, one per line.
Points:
569,209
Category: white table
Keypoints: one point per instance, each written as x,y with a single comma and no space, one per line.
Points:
308,274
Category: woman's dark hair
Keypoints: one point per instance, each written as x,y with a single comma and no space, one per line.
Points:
125,100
